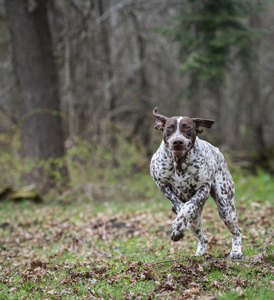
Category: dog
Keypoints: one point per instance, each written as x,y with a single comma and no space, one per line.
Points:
188,170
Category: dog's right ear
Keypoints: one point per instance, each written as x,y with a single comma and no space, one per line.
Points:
160,120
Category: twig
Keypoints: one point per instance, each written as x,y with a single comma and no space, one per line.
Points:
165,261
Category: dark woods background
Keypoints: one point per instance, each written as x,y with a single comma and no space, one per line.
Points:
79,80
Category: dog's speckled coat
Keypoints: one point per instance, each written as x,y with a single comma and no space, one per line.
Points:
187,170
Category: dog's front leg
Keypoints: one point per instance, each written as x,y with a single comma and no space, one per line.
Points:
190,213
166,189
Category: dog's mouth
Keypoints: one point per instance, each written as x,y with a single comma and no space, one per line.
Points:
179,152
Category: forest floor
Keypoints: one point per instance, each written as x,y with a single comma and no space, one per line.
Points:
71,248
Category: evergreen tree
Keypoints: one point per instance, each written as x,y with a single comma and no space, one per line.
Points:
211,35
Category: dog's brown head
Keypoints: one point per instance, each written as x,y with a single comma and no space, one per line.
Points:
179,133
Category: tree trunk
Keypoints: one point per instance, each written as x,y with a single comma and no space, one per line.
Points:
221,115
42,136
109,95
68,75
255,115
144,87
195,95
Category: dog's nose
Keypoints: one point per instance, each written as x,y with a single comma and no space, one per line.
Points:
178,143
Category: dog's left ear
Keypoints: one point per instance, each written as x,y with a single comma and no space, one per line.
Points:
199,122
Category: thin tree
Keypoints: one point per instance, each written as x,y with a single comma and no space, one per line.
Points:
41,130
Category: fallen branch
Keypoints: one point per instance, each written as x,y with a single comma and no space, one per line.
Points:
165,261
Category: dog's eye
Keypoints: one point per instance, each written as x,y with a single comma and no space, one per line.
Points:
186,127
170,128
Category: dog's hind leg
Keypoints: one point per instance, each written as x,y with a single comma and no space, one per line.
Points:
223,195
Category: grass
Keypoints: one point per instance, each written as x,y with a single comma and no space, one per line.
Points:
108,237
73,247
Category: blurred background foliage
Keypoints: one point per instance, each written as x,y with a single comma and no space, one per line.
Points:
112,62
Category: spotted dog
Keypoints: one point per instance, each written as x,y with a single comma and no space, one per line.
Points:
188,170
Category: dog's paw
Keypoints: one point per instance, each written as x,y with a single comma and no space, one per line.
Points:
235,255
201,249
177,231
176,236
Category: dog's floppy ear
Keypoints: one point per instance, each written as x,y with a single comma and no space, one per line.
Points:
199,122
160,120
